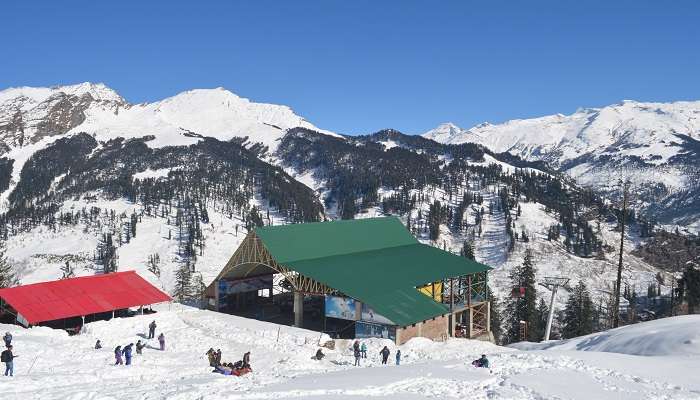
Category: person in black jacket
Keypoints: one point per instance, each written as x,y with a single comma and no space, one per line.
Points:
385,354
152,329
7,357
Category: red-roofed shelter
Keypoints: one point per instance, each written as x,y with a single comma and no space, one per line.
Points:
80,297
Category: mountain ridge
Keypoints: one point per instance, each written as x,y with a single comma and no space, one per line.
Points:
654,145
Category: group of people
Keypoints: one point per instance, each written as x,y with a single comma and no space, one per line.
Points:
124,355
7,356
238,368
360,351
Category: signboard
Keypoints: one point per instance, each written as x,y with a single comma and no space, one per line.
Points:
341,307
245,285
368,330
369,315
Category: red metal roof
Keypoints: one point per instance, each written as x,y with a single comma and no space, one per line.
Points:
75,297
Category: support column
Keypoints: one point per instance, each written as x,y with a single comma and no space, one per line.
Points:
298,309
470,332
216,296
488,316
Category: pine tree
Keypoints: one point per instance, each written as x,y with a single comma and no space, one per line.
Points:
691,283
542,315
7,274
579,313
183,283
468,250
495,317
523,308
198,288
154,264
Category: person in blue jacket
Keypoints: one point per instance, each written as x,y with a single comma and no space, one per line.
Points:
127,353
398,357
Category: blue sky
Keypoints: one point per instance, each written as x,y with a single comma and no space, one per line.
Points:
359,66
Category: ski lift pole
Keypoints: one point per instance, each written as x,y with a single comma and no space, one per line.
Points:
552,283
551,313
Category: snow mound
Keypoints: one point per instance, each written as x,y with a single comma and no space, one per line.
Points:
677,336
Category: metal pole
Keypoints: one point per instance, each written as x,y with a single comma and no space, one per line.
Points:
551,313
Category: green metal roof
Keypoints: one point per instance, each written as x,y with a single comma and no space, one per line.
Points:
293,242
375,261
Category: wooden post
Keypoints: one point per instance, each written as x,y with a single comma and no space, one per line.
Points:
452,306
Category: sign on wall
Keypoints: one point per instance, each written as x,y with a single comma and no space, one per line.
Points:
341,307
369,315
245,285
369,330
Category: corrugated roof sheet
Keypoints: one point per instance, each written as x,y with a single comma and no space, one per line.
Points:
376,261
74,297
294,242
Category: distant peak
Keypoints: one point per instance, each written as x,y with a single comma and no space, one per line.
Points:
444,129
98,91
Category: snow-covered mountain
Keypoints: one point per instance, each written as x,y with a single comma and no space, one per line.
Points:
655,145
29,114
81,167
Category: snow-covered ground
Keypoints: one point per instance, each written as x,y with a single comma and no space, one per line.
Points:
53,365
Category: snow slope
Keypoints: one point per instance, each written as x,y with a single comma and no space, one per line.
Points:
677,336
52,365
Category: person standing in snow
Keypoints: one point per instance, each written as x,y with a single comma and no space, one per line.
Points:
139,347
8,358
398,357
98,344
363,350
152,329
8,339
357,353
161,340
246,360
118,355
127,353
385,354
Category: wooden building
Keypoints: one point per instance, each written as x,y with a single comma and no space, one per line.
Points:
368,277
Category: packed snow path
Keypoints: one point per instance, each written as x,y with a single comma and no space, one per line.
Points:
69,368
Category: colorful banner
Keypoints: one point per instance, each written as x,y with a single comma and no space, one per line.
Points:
245,285
369,315
368,330
341,307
